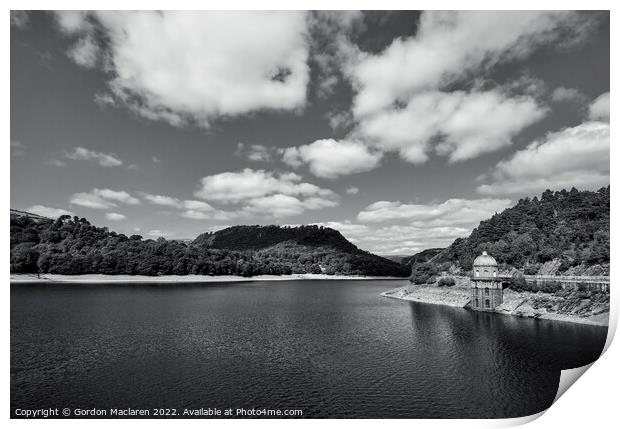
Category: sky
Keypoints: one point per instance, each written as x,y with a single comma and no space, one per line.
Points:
401,129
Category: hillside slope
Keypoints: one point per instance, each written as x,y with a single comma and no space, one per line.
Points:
306,249
421,257
562,232
74,246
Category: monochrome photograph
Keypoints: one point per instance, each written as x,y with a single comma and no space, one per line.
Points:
306,214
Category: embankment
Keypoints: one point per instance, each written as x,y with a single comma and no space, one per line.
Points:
564,306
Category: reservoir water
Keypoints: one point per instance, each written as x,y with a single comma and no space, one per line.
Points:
328,348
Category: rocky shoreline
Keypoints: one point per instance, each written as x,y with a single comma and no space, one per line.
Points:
520,304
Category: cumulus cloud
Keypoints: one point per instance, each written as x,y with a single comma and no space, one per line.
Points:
85,52
103,199
50,212
568,95
254,152
330,32
455,211
156,233
115,216
103,159
404,97
330,158
396,228
398,239
458,124
576,156
191,209
206,65
260,192
162,200
599,109
449,46
233,187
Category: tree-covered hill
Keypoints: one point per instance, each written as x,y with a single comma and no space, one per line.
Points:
252,237
306,249
568,230
421,257
70,245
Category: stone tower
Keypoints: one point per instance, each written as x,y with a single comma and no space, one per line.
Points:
486,287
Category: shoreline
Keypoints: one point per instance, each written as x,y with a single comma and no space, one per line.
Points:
191,278
516,304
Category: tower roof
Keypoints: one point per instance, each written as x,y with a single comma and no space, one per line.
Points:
485,260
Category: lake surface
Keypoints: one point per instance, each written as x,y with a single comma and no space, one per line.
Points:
329,348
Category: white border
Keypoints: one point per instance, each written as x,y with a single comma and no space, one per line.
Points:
590,403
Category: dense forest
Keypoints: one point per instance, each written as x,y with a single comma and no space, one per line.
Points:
565,230
72,245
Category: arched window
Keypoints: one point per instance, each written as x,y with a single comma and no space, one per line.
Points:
487,303
494,273
477,273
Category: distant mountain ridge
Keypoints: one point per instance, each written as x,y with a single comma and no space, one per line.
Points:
421,257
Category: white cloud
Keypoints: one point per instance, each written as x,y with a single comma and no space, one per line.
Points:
255,152
115,216
280,205
457,124
85,52
103,159
158,233
103,198
232,187
353,190
455,211
162,200
398,239
50,212
195,209
205,65
192,209
599,109
261,192
404,99
197,205
577,156
392,227
449,46
330,158
567,95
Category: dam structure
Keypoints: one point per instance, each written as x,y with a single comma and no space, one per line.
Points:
486,286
